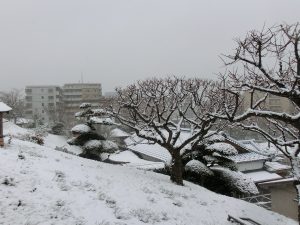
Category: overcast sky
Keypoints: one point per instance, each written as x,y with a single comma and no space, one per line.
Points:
116,42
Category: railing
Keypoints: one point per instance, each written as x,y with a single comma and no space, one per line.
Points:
263,200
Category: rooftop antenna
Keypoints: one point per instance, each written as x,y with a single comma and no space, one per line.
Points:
81,77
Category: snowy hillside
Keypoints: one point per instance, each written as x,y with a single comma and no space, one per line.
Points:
39,185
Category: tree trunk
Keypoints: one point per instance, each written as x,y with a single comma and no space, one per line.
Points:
297,186
176,168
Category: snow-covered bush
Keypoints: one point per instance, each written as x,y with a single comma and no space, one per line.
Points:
235,181
34,138
208,165
85,135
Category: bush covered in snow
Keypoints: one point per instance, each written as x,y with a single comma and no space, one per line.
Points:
94,145
34,138
208,165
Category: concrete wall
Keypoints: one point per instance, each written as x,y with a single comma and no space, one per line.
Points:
283,200
248,166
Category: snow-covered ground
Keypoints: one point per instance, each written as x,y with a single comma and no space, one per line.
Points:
39,185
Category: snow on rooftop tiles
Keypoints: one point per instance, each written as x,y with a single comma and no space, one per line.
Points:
276,166
262,176
4,107
247,157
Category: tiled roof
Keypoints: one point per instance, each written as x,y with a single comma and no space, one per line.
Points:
247,157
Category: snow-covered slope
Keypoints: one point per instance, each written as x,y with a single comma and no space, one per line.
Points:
39,185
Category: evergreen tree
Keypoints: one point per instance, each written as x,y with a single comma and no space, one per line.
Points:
209,165
94,145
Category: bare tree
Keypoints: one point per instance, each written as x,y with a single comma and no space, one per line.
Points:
15,99
267,63
157,110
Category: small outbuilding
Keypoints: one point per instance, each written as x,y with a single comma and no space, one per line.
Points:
3,109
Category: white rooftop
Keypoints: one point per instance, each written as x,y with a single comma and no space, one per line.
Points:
247,157
4,107
263,176
276,166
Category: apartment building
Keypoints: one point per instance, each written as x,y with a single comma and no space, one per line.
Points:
43,103
76,93
272,102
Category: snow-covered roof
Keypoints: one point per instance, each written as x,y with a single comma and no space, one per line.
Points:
262,176
119,133
276,166
255,147
4,107
152,150
247,157
137,144
278,182
81,129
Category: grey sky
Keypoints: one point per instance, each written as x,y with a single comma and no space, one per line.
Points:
116,42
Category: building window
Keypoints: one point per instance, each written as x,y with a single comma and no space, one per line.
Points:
29,98
42,104
42,97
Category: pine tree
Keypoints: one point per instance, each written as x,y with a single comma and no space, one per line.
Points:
94,145
209,165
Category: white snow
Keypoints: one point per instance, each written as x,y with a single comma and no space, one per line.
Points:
104,121
81,129
276,166
85,105
223,148
4,107
60,142
198,167
39,185
92,144
109,146
240,181
134,161
247,157
262,176
118,133
10,128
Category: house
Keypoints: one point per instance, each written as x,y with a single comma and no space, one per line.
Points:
283,196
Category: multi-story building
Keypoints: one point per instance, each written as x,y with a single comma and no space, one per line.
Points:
43,103
272,102
76,93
